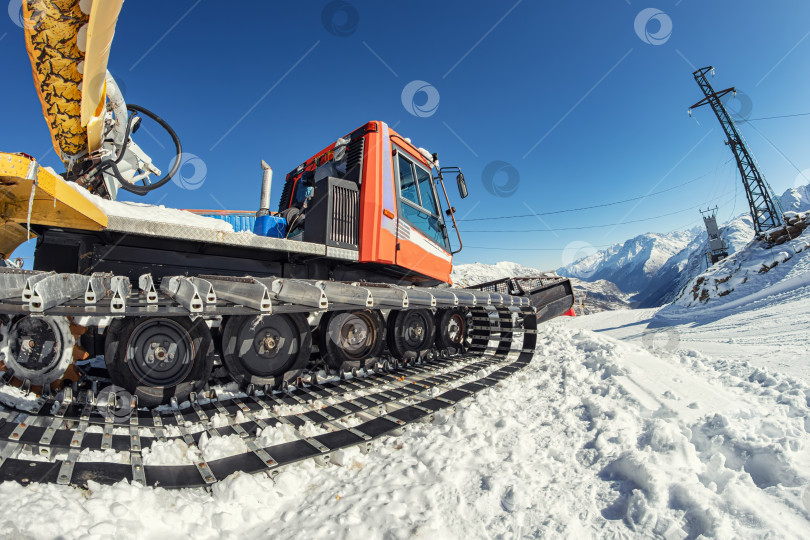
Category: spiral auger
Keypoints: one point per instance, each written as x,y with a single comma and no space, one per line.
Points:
56,437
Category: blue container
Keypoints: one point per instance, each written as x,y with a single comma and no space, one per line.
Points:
272,226
240,221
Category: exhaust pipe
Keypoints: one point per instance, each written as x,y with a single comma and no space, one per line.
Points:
267,180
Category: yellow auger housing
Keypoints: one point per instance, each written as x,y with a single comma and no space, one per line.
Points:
69,49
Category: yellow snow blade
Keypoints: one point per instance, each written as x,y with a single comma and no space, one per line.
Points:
55,202
100,32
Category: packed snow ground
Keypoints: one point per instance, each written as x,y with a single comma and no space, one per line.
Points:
596,438
737,311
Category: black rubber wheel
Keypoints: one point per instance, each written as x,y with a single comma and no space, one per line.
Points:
347,338
451,330
266,349
158,358
411,333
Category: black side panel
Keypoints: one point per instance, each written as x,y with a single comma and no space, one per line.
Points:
85,252
62,253
333,216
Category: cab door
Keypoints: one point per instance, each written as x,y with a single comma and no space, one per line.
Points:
422,243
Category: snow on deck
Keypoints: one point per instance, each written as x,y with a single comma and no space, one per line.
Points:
595,438
152,213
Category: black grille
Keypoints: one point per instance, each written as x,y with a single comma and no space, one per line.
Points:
354,159
284,201
345,220
333,215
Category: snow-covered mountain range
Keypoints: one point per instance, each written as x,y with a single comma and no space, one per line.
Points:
654,268
599,295
632,264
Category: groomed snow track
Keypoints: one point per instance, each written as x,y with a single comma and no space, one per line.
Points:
55,432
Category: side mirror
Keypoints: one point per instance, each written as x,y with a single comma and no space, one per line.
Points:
462,186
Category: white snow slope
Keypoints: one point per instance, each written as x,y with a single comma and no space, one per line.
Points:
752,274
595,438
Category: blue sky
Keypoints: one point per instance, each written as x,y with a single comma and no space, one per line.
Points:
566,97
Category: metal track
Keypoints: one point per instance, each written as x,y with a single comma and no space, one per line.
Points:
384,401
105,295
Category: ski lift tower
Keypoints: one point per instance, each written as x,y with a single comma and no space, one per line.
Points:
763,210
717,247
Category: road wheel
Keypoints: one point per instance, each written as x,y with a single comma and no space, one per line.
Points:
158,358
411,333
347,338
266,349
451,330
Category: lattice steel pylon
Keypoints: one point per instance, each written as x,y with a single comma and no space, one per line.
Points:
764,212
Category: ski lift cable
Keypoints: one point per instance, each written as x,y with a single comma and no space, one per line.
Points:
600,225
775,117
583,208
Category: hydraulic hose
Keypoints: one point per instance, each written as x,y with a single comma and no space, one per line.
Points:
113,164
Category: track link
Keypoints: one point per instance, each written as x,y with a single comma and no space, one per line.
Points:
347,411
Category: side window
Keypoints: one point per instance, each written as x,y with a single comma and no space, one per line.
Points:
426,190
407,181
418,203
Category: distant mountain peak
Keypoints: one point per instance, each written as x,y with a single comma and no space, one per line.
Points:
632,263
